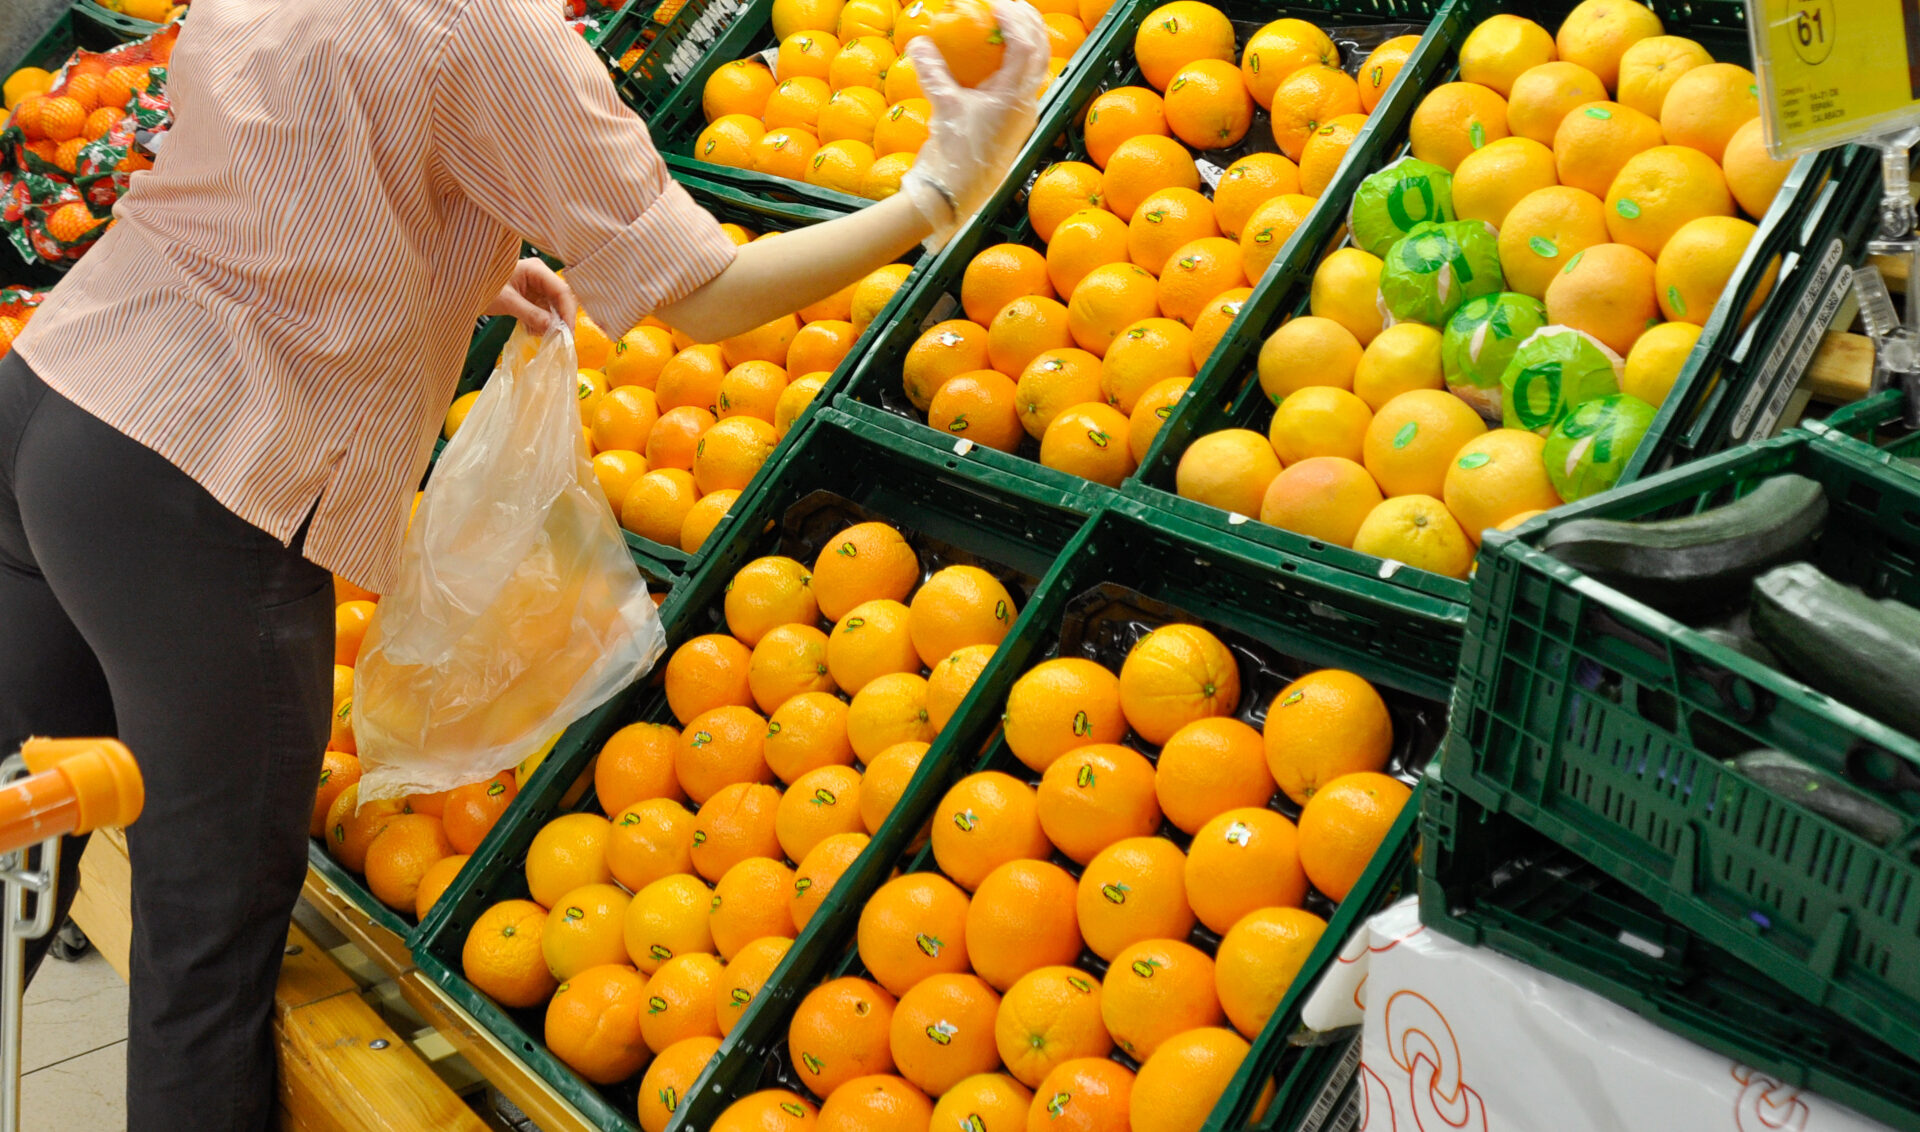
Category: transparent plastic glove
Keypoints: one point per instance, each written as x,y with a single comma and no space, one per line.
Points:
976,132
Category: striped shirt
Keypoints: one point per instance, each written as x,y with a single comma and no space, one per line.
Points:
283,303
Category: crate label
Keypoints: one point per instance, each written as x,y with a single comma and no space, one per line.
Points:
1833,72
1209,172
1235,518
1332,1089
1643,946
1770,373
1815,334
962,447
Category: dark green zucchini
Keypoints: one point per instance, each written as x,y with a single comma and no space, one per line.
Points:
1841,642
1745,646
1825,794
1696,567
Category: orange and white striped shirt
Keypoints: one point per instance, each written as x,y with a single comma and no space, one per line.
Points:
283,305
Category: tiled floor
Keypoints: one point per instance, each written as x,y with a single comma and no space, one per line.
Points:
75,1052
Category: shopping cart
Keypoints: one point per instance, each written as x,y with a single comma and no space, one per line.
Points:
53,787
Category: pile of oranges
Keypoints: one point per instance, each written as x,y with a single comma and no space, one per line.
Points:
980,1005
1609,163
1084,338
841,107
409,850
653,923
677,428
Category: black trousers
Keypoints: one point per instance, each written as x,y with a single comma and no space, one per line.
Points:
133,604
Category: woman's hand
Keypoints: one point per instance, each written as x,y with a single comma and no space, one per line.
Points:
533,294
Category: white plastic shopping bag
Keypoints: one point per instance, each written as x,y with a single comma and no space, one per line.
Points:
518,608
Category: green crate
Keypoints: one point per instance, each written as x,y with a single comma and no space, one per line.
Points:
1816,207
1603,723
1488,880
669,47
874,394
836,476
1873,427
1126,572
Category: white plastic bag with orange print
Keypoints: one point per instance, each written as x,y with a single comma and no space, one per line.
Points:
519,608
1463,1039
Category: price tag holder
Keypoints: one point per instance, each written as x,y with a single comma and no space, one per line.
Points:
1835,71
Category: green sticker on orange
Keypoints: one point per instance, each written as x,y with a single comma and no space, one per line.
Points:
1674,300
1599,112
1627,208
1543,247
1406,434
1477,133
1475,460
1575,261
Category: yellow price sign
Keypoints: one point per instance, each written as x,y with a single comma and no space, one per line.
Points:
1835,71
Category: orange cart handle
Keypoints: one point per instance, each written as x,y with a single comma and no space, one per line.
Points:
75,786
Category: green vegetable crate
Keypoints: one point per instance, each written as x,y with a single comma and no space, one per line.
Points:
875,393
1488,880
1603,724
1126,573
834,477
1873,425
1801,232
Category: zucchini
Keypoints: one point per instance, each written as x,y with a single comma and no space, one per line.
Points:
1841,642
1699,566
1827,795
1745,646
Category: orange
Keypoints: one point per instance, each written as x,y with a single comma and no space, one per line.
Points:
1307,100
1242,860
1697,264
1065,34
1229,469
952,677
750,389
1134,890
732,141
914,927
435,882
675,436
1752,174
705,673
1454,119
750,903
733,825
862,62
1088,1094
1173,676
1183,1082
1141,166
871,641
1195,273
1150,412
1308,351
912,23
799,394
1016,924
1247,184
883,179
886,780
593,1024
1497,476
984,1100
739,87
981,406
650,840
585,930
1107,301
1208,767
1652,65
568,852
1404,357
1083,241
999,275
1096,795
728,455
1419,531
903,128
1494,178
881,1103
820,870
338,770
1381,67
1324,725
796,102
61,118
789,661
945,350
785,152
1154,990
501,955
617,470
807,731
1325,150
1062,189
1655,362
986,820
769,1110
1144,354
1413,437
350,622
1054,382
969,39
850,115
1050,1016
841,166
1259,959
1545,94
1598,33
1346,288
820,804
1501,48
670,1079
871,295
1343,825
636,764
865,562
691,377
742,978
1113,117
1173,35
839,1033
667,918
766,594
1059,705
942,1031
471,811
1594,141
959,606
1023,330
1207,104
1320,421
719,748
400,856
806,54
1606,291
1544,230
1278,50
1089,441
1661,189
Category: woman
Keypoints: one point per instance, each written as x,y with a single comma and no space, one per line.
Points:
235,392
